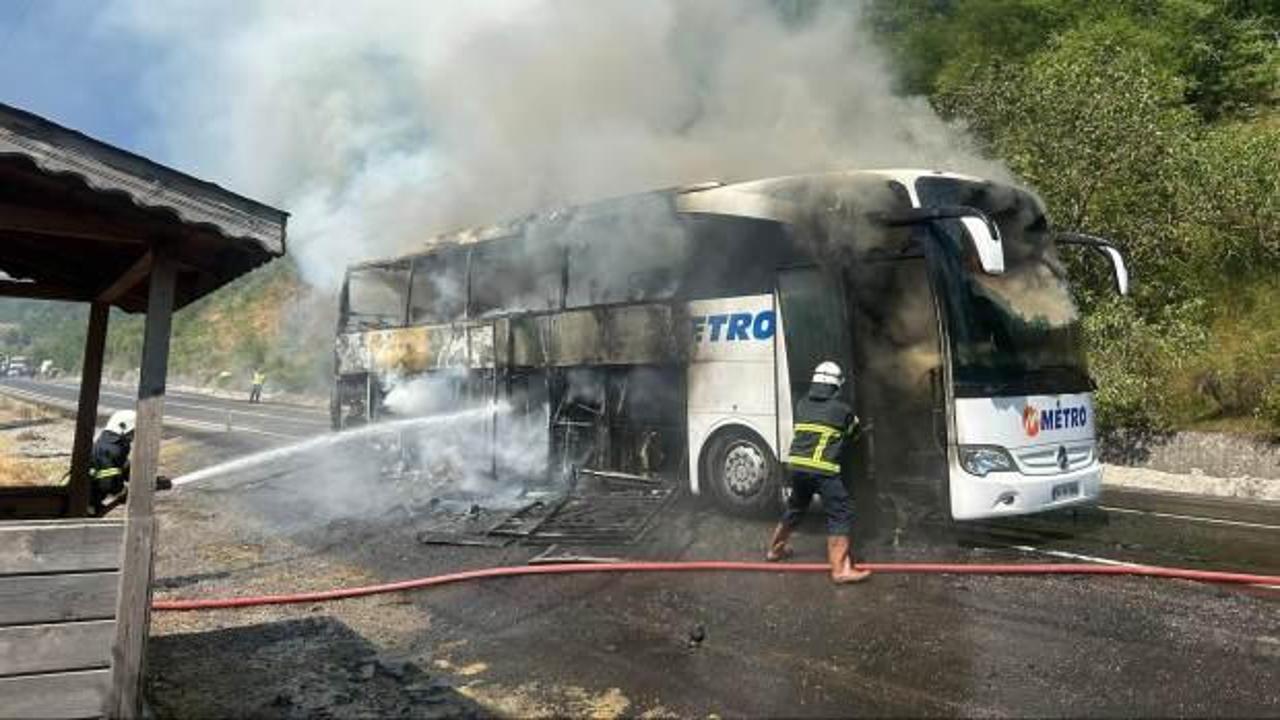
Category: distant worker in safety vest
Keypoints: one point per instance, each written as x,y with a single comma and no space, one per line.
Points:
255,391
109,461
822,425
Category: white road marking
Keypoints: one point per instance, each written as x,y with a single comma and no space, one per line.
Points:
1074,556
1195,518
212,409
169,419
314,415
1101,560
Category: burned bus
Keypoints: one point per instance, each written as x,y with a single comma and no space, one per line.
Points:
667,335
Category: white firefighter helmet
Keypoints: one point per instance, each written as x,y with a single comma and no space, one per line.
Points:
122,422
828,373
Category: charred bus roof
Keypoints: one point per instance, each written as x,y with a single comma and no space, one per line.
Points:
778,199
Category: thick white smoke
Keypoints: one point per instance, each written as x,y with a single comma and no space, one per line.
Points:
485,457
379,123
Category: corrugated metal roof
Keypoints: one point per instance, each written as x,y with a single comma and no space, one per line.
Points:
150,185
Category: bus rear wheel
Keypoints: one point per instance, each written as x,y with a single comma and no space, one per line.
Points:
744,474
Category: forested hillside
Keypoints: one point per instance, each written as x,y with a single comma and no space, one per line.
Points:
1153,122
269,319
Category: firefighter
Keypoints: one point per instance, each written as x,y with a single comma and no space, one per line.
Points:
109,461
255,391
823,423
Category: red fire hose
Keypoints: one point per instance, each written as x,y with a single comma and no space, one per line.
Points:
712,565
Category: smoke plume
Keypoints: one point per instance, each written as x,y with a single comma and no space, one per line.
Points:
380,123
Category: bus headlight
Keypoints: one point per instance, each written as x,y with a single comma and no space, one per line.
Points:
982,459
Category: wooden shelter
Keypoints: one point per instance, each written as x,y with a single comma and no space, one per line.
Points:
84,221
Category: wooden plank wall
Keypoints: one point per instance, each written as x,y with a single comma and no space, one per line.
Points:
59,581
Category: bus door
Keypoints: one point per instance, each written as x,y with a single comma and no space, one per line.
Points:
814,328
814,325
901,386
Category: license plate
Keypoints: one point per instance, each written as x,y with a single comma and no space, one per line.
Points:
1066,490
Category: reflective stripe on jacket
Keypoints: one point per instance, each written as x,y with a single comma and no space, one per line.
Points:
809,448
109,458
822,423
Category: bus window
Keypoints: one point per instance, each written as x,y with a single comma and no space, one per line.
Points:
514,277
735,256
376,296
439,293
634,256
813,319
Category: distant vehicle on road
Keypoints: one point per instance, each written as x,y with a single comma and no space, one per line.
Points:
670,334
19,366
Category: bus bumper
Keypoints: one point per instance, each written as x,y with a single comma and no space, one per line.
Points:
1011,493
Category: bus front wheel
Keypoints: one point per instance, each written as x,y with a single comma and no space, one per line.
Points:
744,474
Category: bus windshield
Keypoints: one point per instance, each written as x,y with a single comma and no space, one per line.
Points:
1012,334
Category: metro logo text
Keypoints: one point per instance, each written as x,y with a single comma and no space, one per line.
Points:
1059,418
734,326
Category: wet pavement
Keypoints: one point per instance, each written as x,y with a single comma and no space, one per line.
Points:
740,644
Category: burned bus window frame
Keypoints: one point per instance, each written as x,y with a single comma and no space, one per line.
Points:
539,267
815,320
448,261
737,256
350,318
588,246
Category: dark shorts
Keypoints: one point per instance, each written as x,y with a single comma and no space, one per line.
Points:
835,500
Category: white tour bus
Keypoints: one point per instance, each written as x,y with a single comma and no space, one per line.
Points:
670,333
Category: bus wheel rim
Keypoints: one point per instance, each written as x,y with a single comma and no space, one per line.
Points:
745,469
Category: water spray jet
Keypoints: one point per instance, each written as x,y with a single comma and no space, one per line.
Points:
334,440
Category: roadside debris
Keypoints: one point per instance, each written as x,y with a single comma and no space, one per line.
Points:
548,557
697,635
602,507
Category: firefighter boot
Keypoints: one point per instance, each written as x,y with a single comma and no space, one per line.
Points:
778,549
842,570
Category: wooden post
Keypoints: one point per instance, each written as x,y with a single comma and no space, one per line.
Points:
87,411
133,614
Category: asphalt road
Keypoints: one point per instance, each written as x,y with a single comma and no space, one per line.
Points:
251,426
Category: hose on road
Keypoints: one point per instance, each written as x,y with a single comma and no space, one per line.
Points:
1212,576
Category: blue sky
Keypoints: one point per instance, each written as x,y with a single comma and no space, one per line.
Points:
59,59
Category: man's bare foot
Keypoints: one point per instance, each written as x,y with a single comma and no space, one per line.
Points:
849,576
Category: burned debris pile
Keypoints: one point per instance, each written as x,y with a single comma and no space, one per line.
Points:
602,508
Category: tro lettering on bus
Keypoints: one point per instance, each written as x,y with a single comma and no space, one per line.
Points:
735,326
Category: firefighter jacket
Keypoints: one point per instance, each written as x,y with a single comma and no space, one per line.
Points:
822,423
109,463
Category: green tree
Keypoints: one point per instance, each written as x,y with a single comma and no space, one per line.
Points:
1238,171
1097,129
1107,123
1225,51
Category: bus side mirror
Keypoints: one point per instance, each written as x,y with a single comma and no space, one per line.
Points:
983,239
981,236
1119,269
